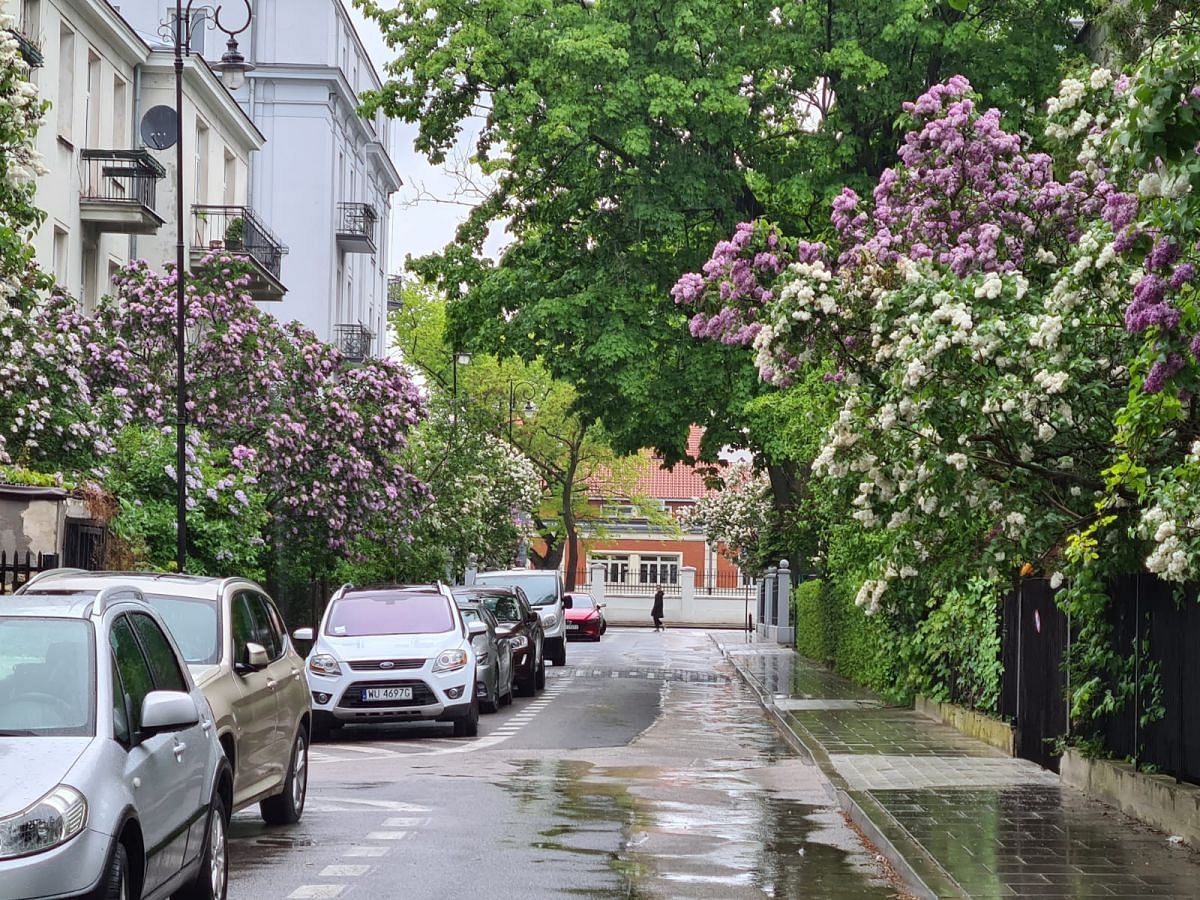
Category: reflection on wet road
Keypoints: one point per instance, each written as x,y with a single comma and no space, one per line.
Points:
658,777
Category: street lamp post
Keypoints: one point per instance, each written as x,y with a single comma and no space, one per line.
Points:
528,391
232,68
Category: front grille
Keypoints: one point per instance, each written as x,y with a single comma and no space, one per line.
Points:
352,698
375,665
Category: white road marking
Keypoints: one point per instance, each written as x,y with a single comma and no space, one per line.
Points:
344,871
367,851
386,835
404,822
385,805
316,892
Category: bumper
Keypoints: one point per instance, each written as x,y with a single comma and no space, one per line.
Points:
71,870
432,695
586,629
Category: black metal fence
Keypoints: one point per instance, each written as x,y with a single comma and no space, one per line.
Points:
120,176
631,586
238,230
17,568
723,583
354,341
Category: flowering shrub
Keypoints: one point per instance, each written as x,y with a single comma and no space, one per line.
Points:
736,515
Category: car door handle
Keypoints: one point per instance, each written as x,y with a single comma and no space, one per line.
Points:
179,747
296,674
271,684
206,726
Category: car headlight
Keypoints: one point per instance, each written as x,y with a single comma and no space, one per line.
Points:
519,641
51,821
450,660
550,621
324,664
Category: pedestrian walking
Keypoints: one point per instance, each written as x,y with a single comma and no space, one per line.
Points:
656,611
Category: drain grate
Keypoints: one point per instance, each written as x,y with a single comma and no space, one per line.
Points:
687,675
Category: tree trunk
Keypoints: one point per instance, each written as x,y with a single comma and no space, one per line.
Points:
568,514
789,484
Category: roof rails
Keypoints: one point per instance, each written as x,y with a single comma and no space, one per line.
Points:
338,593
113,594
47,573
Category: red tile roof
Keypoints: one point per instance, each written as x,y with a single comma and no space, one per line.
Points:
683,482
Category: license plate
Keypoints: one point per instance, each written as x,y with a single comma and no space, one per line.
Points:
392,693
572,626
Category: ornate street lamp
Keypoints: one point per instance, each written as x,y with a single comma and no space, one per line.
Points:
527,391
232,69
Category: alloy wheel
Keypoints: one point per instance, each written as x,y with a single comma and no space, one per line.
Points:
299,772
216,837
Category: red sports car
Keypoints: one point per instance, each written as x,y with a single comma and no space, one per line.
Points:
585,619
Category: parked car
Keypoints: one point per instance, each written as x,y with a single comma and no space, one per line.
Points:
493,659
238,651
116,786
585,618
520,626
544,590
397,653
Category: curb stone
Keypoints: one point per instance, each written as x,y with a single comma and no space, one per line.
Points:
850,804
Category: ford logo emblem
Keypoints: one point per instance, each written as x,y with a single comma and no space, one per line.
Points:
387,664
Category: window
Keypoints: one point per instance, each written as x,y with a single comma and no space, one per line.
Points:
270,627
91,100
194,624
659,569
121,730
245,627
89,276
66,83
616,566
46,676
114,272
390,612
201,195
120,121
162,659
229,188
136,678
62,250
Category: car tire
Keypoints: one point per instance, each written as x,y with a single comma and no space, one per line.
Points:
539,677
116,879
527,687
492,704
212,881
286,807
468,725
558,652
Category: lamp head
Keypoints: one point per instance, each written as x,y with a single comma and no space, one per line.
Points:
233,66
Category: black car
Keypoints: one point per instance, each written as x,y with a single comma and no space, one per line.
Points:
520,625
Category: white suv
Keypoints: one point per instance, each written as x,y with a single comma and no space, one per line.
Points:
392,654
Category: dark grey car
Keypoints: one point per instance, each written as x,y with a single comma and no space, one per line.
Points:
493,659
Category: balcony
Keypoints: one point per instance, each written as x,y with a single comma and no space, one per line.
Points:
354,341
356,227
238,231
395,287
118,191
30,46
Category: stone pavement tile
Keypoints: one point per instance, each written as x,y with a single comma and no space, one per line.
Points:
887,731
1041,841
789,675
878,772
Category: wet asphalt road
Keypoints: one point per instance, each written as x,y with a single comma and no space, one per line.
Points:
646,769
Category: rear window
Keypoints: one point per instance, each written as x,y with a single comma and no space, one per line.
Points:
540,587
393,612
195,626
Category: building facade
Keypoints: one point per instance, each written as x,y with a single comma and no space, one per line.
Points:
324,178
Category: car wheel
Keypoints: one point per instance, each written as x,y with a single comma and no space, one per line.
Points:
539,678
212,881
492,704
512,682
527,686
116,879
287,807
468,726
559,656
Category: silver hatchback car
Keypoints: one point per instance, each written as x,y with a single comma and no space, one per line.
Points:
116,785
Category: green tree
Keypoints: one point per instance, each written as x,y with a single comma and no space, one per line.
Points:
624,138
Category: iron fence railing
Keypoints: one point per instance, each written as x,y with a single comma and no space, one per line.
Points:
120,176
238,230
17,568
354,341
357,220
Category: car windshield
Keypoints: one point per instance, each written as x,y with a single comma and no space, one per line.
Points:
389,612
582,601
194,625
540,587
47,677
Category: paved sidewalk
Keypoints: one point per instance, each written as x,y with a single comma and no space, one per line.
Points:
958,817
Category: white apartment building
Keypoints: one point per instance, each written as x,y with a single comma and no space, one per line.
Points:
324,178
108,199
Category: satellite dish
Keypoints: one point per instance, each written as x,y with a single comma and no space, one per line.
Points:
160,126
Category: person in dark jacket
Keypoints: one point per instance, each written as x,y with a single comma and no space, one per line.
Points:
656,611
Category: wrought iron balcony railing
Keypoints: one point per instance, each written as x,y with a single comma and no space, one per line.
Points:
119,190
354,341
30,46
356,227
238,230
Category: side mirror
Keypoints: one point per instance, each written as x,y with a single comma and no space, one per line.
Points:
568,603
256,659
303,634
532,618
476,628
164,711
